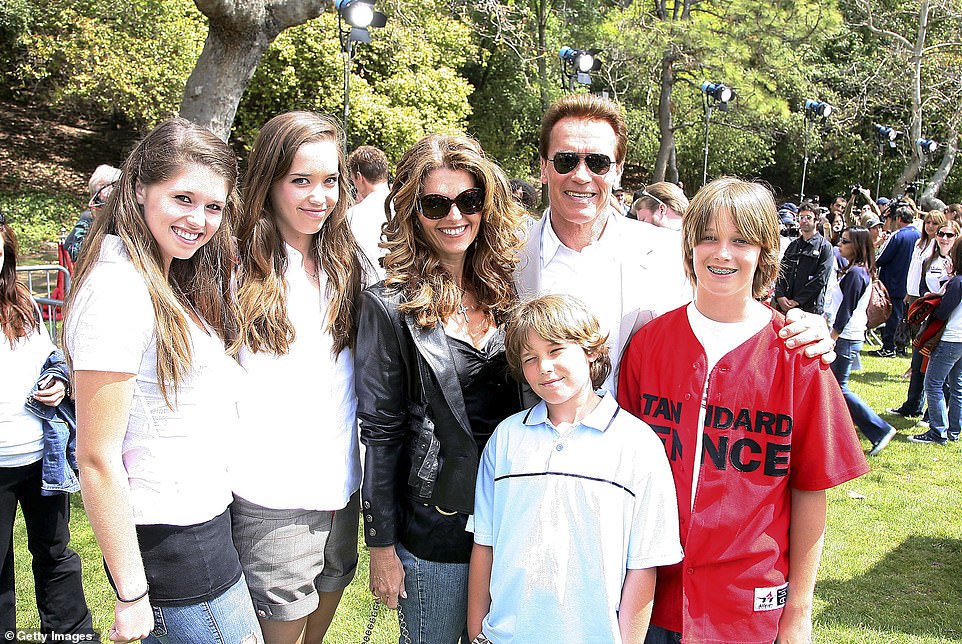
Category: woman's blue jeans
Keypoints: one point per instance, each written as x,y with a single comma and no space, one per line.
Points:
945,368
870,424
227,619
436,610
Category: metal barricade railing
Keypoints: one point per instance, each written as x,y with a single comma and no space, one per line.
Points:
49,285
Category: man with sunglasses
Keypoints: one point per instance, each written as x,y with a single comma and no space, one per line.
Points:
806,266
627,272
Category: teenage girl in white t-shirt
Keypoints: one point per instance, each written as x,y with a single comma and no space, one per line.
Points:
24,348
297,469
147,321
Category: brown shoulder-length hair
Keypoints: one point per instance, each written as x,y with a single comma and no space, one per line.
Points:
431,295
863,248
17,313
752,208
201,282
262,291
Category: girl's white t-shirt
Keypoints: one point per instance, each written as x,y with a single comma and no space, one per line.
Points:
21,433
176,459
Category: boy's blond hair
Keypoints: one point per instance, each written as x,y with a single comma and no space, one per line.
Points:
557,318
752,208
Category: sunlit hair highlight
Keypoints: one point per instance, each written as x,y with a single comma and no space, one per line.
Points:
262,292
17,313
412,264
560,319
201,283
752,209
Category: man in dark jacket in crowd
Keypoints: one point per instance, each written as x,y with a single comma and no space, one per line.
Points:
893,264
806,266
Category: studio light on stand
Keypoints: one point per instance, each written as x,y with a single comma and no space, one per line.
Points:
927,148
884,136
359,16
713,94
577,65
814,110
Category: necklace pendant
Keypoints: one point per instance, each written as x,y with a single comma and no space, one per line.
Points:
463,311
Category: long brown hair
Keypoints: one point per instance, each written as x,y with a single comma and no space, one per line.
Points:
201,282
411,263
864,250
262,292
17,312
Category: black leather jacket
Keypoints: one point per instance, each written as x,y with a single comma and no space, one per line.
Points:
417,434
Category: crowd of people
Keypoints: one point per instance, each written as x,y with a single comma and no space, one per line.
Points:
836,258
532,416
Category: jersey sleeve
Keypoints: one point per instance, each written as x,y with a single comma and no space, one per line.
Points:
654,537
825,448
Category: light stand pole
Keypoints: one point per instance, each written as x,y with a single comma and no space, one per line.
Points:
813,110
713,93
359,16
883,134
708,110
348,55
808,124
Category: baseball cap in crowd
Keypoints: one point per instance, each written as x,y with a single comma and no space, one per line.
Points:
790,207
882,201
870,221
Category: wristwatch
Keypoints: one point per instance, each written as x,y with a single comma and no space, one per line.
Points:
481,639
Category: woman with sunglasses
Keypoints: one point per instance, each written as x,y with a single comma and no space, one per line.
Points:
928,272
848,329
943,376
431,375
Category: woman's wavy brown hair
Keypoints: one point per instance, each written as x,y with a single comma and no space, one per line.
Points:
262,290
201,283
411,263
17,312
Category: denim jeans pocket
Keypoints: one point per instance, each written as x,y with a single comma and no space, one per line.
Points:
160,627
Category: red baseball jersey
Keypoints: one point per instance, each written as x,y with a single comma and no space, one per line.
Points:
775,420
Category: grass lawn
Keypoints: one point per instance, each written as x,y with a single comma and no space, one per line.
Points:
891,571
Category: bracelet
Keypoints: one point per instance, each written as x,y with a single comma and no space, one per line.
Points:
135,599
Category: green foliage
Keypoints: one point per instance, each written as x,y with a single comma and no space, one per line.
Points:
127,59
37,217
404,84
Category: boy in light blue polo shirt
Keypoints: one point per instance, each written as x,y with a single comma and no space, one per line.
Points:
575,504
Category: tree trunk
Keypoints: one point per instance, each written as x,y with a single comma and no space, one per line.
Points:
666,130
224,69
911,170
239,33
930,198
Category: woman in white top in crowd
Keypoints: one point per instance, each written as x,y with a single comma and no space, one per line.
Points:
147,323
297,472
24,348
928,272
848,329
943,376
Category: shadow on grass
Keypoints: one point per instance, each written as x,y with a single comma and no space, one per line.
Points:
916,590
